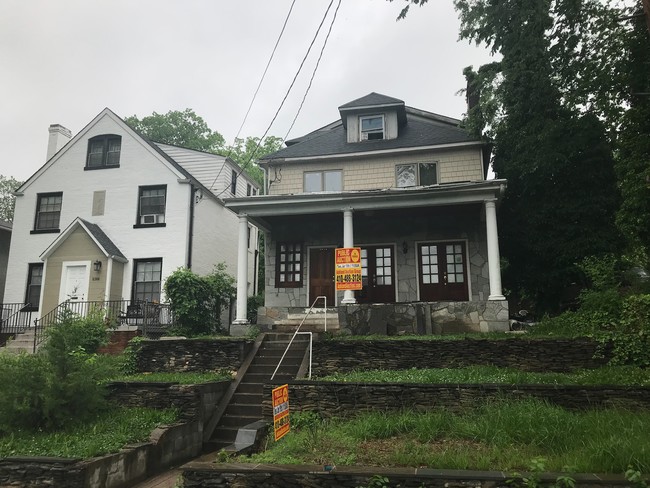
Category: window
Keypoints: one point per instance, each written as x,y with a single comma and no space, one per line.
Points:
146,279
151,206
254,191
34,282
104,152
249,189
371,128
48,212
416,174
233,182
288,265
323,181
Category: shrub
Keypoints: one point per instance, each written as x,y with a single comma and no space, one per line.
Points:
59,384
253,304
197,301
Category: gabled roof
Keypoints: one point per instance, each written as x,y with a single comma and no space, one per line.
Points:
95,232
422,129
373,99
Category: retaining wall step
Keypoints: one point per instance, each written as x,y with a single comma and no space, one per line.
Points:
239,409
238,420
248,398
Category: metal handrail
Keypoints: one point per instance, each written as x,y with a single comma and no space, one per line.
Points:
11,323
298,331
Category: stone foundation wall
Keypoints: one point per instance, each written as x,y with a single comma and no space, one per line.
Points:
333,399
212,475
558,355
192,355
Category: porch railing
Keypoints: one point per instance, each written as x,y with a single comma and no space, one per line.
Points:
153,319
15,317
298,332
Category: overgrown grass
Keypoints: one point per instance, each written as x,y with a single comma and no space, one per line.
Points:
612,375
109,432
189,378
497,435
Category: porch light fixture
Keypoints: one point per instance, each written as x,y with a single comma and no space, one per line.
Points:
405,247
97,265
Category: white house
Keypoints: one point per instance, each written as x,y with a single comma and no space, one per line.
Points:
409,188
111,214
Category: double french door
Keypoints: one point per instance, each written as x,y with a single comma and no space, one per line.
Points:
442,271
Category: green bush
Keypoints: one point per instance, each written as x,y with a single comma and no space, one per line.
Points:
253,304
59,384
197,301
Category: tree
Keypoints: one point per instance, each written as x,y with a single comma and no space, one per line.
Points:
246,153
185,129
7,201
549,143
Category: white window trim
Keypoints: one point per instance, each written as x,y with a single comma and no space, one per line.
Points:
322,180
417,172
362,132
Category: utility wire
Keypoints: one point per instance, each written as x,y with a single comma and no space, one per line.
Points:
277,112
284,25
315,69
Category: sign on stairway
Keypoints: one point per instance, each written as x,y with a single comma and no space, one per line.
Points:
281,424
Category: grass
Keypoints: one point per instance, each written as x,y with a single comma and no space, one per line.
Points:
110,432
497,435
188,378
611,375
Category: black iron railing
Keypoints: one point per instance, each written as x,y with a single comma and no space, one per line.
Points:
153,319
15,317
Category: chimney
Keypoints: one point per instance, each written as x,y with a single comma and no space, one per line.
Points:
59,136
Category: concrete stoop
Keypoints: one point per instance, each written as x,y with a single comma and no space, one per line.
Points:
23,343
317,321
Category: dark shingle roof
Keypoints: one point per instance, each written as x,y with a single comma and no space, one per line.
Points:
416,132
103,240
372,99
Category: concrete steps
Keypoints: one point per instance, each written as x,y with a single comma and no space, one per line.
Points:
314,322
245,406
24,342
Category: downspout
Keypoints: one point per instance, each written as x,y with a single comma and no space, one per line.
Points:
255,264
190,237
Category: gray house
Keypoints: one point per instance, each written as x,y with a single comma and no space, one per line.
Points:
409,188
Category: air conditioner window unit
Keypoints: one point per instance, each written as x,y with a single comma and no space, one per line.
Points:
152,219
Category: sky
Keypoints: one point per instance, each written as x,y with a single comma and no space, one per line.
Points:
62,62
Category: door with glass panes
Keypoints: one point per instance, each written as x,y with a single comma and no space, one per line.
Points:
377,274
442,271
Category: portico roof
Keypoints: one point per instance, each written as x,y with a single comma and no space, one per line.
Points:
260,209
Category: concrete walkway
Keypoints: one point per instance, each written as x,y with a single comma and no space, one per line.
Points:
168,479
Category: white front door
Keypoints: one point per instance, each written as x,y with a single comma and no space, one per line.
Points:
74,282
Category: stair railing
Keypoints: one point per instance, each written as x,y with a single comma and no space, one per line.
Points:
298,332
15,317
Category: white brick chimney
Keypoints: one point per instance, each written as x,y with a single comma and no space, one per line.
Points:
59,136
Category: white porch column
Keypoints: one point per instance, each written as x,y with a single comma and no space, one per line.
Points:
242,271
494,266
348,241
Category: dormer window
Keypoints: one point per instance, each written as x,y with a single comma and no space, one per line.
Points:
104,152
371,127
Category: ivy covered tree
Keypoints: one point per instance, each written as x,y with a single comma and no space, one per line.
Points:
546,123
8,184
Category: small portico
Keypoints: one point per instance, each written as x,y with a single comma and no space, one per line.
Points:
424,244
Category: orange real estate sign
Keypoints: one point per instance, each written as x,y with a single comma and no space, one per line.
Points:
348,268
281,424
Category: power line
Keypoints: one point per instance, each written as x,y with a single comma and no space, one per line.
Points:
284,25
315,69
277,112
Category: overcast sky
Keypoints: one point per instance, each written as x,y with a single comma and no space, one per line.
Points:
64,61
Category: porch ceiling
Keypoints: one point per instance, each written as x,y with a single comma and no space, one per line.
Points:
264,210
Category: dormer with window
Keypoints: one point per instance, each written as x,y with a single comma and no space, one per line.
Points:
104,152
374,117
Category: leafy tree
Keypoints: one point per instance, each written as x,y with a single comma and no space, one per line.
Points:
561,197
8,184
185,129
246,153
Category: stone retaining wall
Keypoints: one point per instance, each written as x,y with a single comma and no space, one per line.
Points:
203,475
192,355
558,355
332,399
167,446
